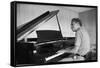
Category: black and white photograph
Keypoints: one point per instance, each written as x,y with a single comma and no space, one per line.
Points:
48,33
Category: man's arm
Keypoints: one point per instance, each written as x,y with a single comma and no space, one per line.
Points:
77,43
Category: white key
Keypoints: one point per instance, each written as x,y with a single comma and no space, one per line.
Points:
53,56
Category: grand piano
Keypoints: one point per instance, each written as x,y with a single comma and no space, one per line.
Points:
43,49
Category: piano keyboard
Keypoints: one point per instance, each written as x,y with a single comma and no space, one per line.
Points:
58,53
53,56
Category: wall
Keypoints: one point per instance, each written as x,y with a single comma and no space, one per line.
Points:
89,20
26,12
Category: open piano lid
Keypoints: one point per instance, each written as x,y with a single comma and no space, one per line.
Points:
29,27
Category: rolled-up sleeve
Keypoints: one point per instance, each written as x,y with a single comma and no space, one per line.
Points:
77,41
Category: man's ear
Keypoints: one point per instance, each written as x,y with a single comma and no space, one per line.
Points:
78,24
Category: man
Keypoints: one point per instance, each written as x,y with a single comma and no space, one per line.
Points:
82,41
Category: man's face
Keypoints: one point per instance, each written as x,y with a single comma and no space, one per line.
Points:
74,26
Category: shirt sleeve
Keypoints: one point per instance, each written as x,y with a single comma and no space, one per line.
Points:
77,41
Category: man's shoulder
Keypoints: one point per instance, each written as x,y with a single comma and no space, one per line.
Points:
81,32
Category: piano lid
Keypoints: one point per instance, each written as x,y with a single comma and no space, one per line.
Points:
29,27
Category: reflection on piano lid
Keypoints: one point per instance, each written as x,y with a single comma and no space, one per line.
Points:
50,42
29,27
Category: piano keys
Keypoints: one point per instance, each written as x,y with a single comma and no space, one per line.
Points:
53,56
57,57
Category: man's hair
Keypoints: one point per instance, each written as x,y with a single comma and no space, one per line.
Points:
76,20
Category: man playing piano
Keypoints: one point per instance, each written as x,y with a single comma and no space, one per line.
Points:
82,41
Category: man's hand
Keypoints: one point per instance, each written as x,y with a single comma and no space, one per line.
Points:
68,50
74,51
64,51
61,51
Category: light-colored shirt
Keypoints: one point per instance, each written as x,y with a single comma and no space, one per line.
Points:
82,41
